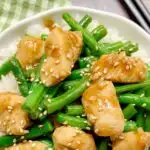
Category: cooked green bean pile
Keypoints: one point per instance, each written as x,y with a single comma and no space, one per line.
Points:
88,96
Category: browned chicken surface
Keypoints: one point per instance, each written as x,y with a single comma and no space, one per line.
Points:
69,138
119,68
31,145
132,141
102,108
13,120
62,48
30,50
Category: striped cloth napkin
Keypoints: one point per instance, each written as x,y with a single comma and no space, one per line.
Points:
12,11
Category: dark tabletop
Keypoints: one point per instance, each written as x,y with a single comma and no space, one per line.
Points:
114,6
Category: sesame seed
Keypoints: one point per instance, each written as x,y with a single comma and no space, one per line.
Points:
127,67
49,100
65,122
88,128
69,144
51,70
45,112
74,134
22,122
96,130
105,70
57,61
78,142
116,64
30,92
43,70
144,105
68,56
46,73
22,137
88,84
40,108
57,76
21,130
45,60
10,107
92,98
33,144
14,140
40,115
40,126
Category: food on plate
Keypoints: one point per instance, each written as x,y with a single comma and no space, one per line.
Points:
76,90
73,139
119,68
100,103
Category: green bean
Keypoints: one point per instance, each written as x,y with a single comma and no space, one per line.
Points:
69,84
5,68
73,121
130,48
143,102
19,74
147,122
44,36
36,93
99,32
68,97
140,120
31,73
85,21
132,87
41,112
34,132
39,130
87,51
33,100
6,141
49,143
88,39
129,111
74,110
37,73
130,126
86,61
79,73
103,145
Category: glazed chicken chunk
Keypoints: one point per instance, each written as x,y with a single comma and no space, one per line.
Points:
119,68
102,109
69,138
13,120
30,50
34,145
62,49
132,141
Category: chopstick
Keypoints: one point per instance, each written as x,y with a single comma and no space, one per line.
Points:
137,14
143,9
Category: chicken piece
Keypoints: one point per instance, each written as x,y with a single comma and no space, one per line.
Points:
13,120
34,145
119,68
70,138
102,109
30,50
132,141
63,49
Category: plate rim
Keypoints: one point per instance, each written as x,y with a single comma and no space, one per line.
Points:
77,8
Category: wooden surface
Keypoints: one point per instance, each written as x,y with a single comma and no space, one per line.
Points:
114,6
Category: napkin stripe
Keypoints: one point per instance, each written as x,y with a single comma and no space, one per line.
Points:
12,11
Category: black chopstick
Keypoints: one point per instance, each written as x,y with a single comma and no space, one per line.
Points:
143,9
132,7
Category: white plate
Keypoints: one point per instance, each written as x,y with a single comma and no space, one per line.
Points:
126,28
